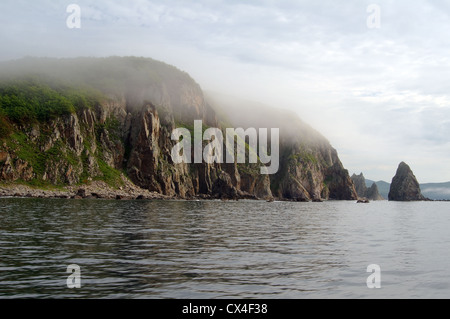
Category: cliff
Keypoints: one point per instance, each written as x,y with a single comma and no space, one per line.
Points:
310,168
363,192
78,121
404,186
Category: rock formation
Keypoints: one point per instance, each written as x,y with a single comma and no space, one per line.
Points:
124,128
360,185
362,190
404,186
373,193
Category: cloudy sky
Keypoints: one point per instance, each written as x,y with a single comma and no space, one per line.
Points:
379,92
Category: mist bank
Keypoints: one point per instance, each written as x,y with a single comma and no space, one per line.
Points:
77,121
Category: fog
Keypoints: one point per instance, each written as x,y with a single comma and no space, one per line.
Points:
376,92
136,79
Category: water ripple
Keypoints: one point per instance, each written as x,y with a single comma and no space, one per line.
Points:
243,249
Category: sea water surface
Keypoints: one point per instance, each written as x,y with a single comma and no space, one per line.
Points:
209,249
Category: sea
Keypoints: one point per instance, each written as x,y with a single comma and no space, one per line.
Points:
95,249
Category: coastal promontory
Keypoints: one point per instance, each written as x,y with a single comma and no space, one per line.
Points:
77,122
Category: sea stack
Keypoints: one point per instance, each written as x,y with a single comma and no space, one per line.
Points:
363,192
360,185
373,193
404,186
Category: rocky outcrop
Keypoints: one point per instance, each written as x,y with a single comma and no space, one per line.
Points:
13,169
360,185
404,186
373,193
312,172
128,134
340,185
363,192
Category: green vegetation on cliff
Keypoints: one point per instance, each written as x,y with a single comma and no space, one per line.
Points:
33,100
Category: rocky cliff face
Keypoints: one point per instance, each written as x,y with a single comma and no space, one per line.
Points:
312,175
404,186
127,131
310,168
363,192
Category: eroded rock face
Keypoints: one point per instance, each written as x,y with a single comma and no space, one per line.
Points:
13,169
140,144
341,185
404,186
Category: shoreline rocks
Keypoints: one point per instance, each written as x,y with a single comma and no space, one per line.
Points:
94,190
99,190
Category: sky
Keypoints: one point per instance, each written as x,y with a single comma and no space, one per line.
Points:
371,76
